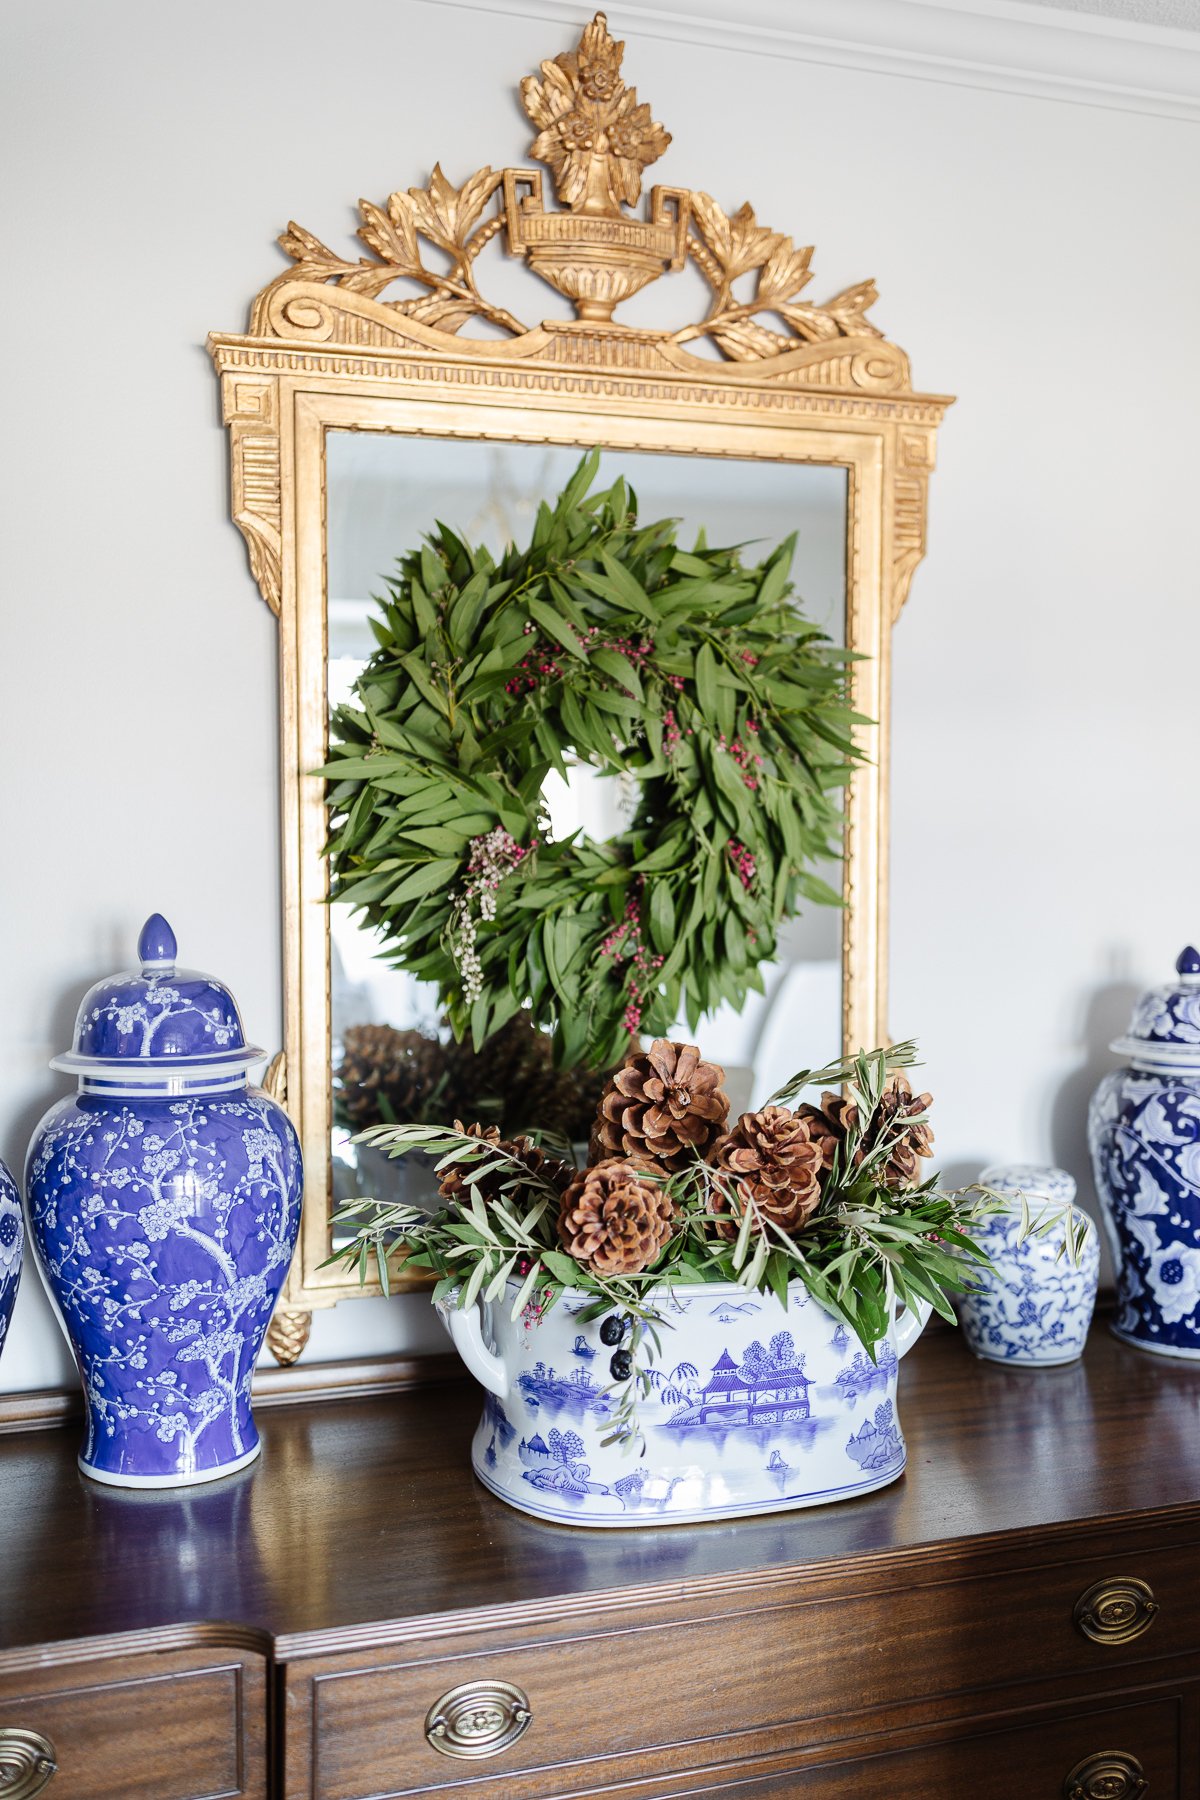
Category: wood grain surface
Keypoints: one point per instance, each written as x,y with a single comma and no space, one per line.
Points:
364,1513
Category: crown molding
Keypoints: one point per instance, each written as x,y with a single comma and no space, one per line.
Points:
1004,45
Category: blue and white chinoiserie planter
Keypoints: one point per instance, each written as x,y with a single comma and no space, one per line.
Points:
1034,1306
164,1202
753,1408
12,1238
1144,1131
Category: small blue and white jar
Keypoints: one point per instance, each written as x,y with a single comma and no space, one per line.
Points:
1144,1133
12,1239
164,1204
1034,1306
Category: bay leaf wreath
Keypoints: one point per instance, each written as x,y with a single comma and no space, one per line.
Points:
601,641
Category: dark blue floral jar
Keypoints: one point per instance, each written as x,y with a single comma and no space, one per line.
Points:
12,1237
1144,1131
164,1203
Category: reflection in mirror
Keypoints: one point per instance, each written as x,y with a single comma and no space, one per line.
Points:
392,1057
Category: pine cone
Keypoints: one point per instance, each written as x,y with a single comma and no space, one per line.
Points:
385,1076
613,1220
664,1106
776,1167
897,1104
828,1125
455,1182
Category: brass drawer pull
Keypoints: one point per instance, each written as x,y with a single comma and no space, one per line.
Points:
1116,1611
27,1763
481,1718
1109,1775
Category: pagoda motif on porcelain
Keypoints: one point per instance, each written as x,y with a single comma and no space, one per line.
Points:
164,1204
752,1408
12,1238
1033,1307
1144,1134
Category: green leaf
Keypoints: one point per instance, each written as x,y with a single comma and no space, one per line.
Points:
427,878
467,611
706,680
436,837
662,916
526,1289
557,628
620,667
775,580
628,590
564,1267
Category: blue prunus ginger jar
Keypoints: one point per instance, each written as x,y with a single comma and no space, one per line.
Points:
1031,1308
164,1203
1144,1133
12,1237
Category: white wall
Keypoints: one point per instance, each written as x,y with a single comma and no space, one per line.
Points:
1039,259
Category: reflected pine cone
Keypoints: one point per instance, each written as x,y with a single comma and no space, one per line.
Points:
582,1091
776,1167
512,1078
828,1125
455,1182
662,1106
613,1220
898,1104
484,1082
385,1076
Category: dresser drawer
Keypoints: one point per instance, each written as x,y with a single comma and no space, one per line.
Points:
1102,1755
790,1665
171,1726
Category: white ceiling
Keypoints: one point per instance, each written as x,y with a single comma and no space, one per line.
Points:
1183,15
1138,56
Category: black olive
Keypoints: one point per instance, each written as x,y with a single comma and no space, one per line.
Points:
612,1330
621,1366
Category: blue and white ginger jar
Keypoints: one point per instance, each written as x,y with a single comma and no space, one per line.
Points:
164,1203
12,1238
1034,1306
1144,1132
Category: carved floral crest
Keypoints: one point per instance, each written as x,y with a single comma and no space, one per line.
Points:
597,139
594,136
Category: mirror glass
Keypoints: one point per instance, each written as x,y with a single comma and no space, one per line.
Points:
390,1054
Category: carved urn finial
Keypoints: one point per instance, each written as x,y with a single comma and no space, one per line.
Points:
596,139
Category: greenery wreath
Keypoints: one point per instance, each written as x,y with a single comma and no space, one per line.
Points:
602,641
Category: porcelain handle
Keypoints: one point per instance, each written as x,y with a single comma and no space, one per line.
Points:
910,1324
465,1325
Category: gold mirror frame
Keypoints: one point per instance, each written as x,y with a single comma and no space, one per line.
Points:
326,352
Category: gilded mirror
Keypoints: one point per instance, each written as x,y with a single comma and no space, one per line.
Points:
356,420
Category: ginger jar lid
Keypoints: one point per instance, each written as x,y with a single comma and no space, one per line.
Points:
158,1028
1164,1032
1039,1184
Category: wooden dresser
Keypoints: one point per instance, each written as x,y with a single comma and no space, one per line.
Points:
1018,1617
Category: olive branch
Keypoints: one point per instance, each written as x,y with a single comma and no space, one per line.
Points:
730,247
494,1237
446,216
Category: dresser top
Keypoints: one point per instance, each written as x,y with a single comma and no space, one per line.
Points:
365,1512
